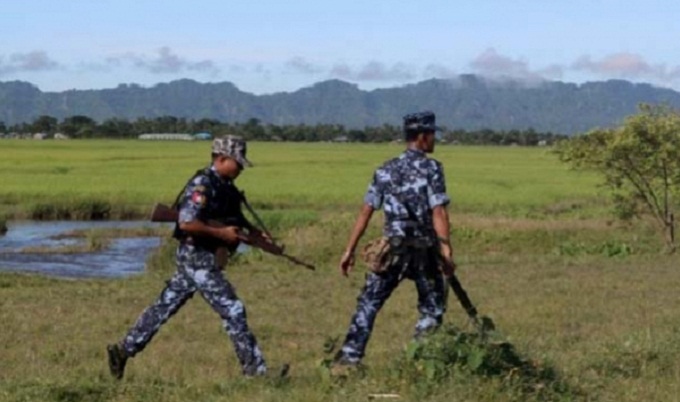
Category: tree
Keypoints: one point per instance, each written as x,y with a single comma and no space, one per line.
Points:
78,126
640,162
45,124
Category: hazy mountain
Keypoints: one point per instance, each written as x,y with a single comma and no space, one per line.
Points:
468,102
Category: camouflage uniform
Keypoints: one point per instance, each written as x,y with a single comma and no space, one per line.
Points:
408,188
206,197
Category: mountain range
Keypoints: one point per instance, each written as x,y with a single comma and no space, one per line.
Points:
469,102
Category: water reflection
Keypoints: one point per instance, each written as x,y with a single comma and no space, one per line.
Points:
123,257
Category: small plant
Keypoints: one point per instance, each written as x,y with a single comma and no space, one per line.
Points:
96,242
451,352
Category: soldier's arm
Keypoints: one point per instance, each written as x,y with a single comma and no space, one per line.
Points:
440,220
192,204
439,200
372,200
228,234
359,228
347,260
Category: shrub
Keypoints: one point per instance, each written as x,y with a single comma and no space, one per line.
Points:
450,351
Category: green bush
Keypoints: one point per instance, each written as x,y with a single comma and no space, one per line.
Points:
452,352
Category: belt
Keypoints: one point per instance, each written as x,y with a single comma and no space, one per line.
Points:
412,242
190,241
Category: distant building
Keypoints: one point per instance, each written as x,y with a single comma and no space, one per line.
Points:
61,136
167,137
203,136
39,136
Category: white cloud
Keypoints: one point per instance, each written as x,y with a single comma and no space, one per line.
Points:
36,60
626,65
434,70
492,64
165,61
303,66
373,71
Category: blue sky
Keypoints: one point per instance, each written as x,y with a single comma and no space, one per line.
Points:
270,46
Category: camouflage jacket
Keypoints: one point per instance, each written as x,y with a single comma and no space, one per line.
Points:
408,187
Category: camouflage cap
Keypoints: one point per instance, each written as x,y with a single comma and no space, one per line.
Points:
421,121
233,147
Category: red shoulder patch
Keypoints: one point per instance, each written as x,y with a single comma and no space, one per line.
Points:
198,198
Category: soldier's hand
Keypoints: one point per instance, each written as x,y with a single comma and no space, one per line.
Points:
229,234
445,250
448,266
346,263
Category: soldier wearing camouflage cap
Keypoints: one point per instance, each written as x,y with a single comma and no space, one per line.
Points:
412,192
210,195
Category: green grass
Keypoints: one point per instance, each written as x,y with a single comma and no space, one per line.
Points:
590,298
54,179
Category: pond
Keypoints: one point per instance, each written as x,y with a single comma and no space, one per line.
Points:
123,257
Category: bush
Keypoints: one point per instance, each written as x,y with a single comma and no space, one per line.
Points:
450,351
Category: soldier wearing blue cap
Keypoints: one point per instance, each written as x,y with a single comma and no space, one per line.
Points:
209,195
412,192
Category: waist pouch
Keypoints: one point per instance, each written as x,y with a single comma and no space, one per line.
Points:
381,253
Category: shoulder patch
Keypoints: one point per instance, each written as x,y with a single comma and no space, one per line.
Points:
198,197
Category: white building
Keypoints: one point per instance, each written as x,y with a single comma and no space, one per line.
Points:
167,137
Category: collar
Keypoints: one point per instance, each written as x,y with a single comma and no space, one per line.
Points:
414,153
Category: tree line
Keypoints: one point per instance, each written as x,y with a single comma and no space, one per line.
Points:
86,128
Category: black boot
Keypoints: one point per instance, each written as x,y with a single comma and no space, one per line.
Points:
117,359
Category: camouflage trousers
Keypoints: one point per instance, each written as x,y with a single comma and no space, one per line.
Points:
197,271
417,265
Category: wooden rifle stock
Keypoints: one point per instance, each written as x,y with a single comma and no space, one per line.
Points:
165,213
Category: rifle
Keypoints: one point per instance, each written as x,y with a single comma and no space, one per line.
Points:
483,324
460,293
164,213
462,296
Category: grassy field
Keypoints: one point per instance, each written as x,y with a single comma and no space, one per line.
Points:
538,253
132,175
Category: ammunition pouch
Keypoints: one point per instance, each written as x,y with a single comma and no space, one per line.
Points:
382,252
375,254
